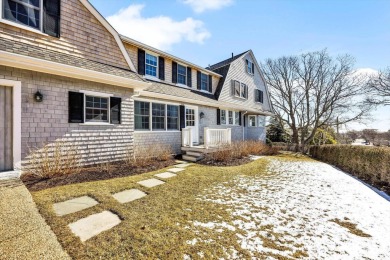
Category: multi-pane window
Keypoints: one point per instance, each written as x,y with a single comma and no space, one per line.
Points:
158,116
223,117
259,96
231,118
96,109
240,89
250,67
172,117
181,74
261,120
26,12
236,118
142,115
204,82
150,65
252,120
190,117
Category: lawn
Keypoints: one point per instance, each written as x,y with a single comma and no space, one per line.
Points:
261,209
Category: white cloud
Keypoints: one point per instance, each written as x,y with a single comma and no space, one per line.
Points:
199,6
161,31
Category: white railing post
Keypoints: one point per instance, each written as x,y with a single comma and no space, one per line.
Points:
190,137
229,136
206,137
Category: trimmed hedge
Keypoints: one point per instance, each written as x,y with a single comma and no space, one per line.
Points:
368,163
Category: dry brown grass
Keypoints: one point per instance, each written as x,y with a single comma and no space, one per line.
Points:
58,158
241,149
351,227
143,156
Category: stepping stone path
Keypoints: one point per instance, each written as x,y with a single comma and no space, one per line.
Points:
93,225
165,175
150,183
255,157
176,170
74,205
129,195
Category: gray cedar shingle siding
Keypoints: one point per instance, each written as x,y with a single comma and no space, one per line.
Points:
63,58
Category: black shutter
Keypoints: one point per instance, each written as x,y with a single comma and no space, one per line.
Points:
115,110
51,17
257,95
218,116
253,68
239,119
198,80
261,98
189,77
182,117
174,72
161,68
247,63
244,121
141,62
76,107
210,83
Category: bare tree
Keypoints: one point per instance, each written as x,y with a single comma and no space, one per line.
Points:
314,90
379,88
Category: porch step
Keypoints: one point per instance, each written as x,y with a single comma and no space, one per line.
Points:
194,154
191,158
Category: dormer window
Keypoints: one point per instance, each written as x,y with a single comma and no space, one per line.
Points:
150,65
41,15
181,74
204,82
250,67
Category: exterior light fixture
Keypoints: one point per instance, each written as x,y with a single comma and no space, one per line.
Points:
201,115
38,97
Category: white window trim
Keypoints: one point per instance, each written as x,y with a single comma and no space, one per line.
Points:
208,82
255,121
22,26
17,120
181,84
227,117
97,94
157,71
247,67
234,91
150,130
259,102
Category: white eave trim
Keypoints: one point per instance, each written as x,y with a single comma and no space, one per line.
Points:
167,55
216,104
111,29
30,63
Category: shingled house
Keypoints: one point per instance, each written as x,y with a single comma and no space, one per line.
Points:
66,74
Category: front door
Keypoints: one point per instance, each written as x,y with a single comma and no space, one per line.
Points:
6,122
192,122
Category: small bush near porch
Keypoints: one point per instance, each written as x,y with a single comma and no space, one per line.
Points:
238,153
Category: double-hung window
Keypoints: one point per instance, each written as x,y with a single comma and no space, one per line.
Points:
26,12
223,117
204,82
150,65
229,117
240,89
250,67
252,121
96,109
259,96
156,116
181,74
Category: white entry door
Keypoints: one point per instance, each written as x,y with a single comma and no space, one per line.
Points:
6,137
192,122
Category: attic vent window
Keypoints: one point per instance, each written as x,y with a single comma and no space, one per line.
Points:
41,15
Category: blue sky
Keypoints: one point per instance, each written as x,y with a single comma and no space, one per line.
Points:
207,31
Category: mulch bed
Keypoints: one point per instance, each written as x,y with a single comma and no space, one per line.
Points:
233,162
118,169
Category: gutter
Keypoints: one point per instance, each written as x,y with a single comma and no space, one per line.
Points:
45,66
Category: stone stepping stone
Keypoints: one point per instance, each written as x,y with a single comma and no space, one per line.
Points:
129,195
150,183
93,225
174,170
255,157
165,175
182,165
74,205
180,162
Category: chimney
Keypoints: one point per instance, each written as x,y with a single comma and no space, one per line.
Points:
232,55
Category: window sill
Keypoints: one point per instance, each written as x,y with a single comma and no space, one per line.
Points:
204,91
242,98
21,26
96,124
153,78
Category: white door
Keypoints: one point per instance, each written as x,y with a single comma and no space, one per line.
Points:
193,122
6,120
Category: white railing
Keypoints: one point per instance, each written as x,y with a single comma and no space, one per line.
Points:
217,137
186,137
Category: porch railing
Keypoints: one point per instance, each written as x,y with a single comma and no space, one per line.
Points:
186,137
217,137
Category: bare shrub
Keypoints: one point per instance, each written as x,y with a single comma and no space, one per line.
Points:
55,159
146,155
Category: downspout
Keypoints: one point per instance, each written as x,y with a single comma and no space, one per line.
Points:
243,127
136,94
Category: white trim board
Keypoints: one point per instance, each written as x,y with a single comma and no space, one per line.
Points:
17,119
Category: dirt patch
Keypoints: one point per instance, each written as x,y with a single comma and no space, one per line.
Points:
102,172
232,162
351,227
